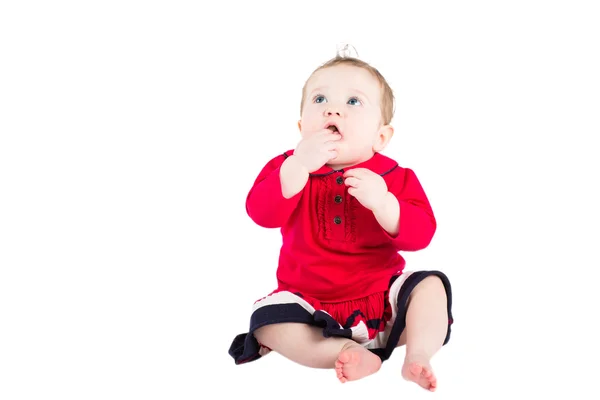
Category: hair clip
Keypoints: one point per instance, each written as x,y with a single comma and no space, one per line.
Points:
346,50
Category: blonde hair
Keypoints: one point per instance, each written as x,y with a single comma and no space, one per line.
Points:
387,95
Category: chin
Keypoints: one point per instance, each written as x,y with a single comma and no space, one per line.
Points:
340,163
335,164
349,160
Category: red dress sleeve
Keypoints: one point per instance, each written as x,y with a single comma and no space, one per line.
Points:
265,203
417,221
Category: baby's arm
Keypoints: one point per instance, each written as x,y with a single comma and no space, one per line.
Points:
388,215
293,176
276,192
407,216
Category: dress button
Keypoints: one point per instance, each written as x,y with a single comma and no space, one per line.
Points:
339,180
338,199
337,220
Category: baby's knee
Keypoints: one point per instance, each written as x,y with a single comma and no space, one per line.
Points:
431,284
432,281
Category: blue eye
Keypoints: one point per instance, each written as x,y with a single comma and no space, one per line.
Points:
353,99
319,98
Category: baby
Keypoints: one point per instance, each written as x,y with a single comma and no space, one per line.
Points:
344,299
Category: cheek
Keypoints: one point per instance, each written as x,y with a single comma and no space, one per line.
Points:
309,122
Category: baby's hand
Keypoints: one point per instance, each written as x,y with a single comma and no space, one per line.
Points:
367,187
316,149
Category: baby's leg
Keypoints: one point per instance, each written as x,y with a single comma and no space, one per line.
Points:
426,328
307,346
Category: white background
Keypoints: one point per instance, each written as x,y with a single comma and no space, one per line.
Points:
130,133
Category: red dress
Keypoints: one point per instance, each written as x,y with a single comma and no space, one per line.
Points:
336,263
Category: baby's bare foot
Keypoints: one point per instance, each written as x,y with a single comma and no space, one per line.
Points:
356,362
417,369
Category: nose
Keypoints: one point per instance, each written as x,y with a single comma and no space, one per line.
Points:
332,111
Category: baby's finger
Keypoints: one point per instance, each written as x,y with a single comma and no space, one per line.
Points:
330,145
327,133
332,136
353,182
357,172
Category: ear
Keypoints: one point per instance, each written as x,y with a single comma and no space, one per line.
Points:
300,125
383,138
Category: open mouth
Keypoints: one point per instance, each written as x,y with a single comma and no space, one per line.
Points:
333,128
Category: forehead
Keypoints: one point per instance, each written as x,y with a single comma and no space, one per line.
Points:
345,77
